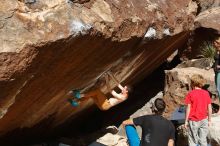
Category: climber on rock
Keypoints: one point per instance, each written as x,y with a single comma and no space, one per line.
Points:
100,98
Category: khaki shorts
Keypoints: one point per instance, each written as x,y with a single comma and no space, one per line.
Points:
100,99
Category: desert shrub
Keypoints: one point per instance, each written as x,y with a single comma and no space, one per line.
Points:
207,51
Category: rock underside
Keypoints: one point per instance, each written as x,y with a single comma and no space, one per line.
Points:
51,47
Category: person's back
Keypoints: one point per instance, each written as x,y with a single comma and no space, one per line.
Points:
198,112
199,99
156,130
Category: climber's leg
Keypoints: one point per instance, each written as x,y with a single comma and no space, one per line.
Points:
100,100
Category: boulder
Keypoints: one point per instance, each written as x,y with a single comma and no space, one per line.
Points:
213,137
51,47
209,19
177,84
207,4
113,140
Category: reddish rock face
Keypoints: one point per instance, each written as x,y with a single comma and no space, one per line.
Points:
49,48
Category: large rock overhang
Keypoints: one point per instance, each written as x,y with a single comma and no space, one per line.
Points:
50,48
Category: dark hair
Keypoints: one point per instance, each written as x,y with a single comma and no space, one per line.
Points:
160,105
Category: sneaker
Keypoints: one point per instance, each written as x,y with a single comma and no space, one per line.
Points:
76,94
73,103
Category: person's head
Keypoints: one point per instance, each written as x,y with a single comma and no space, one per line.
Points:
158,106
127,89
216,44
197,81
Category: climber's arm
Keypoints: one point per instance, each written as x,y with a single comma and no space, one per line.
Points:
116,95
107,83
120,87
116,81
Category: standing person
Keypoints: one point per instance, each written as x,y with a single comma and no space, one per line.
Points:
100,98
156,130
198,112
216,44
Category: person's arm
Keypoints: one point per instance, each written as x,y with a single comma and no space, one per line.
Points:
209,113
120,87
128,122
113,92
172,135
171,142
217,61
114,79
116,95
187,115
107,83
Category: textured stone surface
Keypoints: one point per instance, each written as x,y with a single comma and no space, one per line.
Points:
209,19
213,137
207,4
177,84
113,140
49,47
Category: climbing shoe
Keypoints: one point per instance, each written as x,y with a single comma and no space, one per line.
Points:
76,94
73,103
